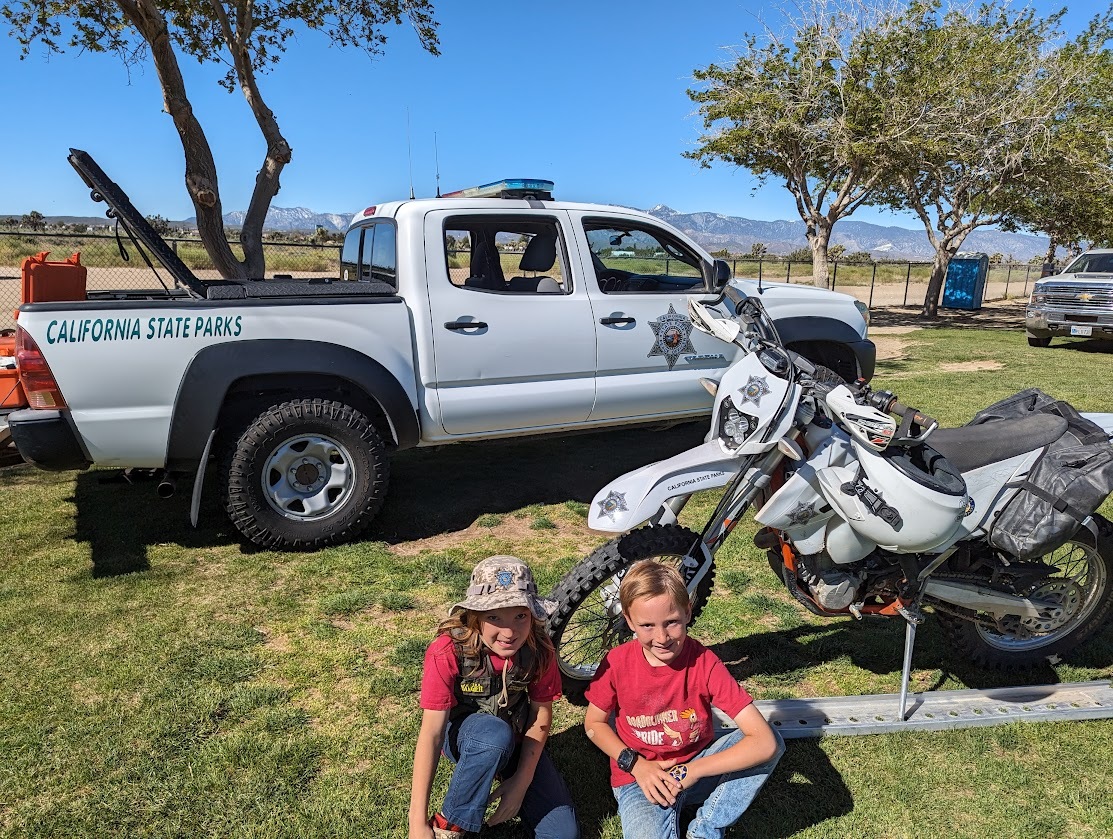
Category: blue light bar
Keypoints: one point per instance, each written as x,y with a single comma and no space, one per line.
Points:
508,188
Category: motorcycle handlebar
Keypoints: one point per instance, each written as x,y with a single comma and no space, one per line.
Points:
886,400
922,420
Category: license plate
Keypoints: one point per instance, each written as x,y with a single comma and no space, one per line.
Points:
1083,331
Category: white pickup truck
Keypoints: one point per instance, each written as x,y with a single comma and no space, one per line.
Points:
1076,303
459,318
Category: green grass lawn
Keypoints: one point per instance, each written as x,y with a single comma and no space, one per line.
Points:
164,681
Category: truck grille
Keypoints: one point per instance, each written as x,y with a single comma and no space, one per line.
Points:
1095,297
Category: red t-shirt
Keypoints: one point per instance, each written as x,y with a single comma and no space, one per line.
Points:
664,713
441,671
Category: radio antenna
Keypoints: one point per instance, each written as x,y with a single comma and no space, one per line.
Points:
437,158
410,153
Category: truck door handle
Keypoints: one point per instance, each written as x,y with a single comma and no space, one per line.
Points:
465,324
615,321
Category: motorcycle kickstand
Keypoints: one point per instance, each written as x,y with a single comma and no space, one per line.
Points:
906,672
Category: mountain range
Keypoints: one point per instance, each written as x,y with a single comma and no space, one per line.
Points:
714,231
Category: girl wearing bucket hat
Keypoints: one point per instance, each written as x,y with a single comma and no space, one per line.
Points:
487,694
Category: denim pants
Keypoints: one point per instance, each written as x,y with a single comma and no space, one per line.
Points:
482,746
722,799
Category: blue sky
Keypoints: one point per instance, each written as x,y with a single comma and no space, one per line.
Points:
589,95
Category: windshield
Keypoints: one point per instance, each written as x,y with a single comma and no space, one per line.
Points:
1091,263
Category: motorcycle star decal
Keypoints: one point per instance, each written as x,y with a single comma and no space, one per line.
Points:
615,502
755,388
672,336
802,513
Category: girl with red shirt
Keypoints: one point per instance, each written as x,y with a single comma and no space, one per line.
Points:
487,694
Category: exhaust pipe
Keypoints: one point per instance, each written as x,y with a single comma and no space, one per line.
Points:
167,486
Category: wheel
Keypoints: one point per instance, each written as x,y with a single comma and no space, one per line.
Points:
1081,588
305,474
588,620
1039,342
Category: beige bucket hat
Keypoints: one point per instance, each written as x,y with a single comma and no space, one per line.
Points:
500,581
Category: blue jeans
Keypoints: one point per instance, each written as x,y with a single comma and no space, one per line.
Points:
482,746
722,799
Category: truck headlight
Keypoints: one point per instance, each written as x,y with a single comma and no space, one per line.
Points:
864,311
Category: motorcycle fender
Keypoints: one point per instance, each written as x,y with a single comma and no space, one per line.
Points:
634,498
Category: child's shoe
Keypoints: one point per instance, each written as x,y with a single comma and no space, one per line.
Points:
444,829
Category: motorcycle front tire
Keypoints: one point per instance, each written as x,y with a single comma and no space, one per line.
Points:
588,620
1084,584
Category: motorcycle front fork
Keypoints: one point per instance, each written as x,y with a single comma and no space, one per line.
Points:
752,479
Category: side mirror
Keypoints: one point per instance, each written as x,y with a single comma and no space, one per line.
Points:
722,275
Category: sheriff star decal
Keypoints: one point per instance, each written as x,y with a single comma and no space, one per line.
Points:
615,502
754,389
672,336
803,513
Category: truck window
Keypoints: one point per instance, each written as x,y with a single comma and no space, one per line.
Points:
506,254
641,260
383,261
349,255
369,255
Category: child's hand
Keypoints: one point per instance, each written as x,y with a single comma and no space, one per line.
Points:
421,831
509,794
657,785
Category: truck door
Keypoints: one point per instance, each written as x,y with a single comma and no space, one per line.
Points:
513,336
640,278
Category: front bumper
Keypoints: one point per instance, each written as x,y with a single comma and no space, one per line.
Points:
1046,322
47,439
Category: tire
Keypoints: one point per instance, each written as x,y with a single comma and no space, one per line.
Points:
305,474
1039,342
1083,584
588,620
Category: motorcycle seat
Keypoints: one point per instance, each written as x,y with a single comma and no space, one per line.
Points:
974,446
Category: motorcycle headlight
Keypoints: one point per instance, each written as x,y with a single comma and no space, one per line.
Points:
734,426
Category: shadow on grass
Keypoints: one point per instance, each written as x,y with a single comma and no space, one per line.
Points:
877,645
447,488
432,491
805,790
121,519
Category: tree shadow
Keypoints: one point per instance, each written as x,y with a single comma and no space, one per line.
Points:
1005,315
447,488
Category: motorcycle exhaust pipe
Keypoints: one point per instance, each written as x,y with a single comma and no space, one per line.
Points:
167,486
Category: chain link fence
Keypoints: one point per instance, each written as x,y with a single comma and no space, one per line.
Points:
115,264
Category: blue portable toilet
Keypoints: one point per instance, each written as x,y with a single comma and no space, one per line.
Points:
965,285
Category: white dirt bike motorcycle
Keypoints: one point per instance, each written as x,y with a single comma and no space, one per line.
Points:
862,516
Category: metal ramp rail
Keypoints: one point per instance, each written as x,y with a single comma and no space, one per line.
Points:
941,710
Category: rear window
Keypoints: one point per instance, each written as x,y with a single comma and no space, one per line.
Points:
370,255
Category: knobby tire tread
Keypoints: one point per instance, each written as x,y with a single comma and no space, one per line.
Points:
262,434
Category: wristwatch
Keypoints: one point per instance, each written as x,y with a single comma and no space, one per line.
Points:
626,759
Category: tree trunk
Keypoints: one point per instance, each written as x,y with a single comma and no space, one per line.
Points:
946,249
1051,248
200,168
821,274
